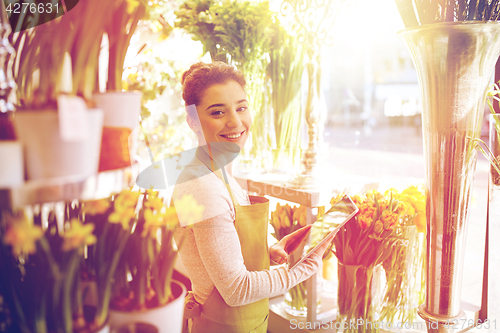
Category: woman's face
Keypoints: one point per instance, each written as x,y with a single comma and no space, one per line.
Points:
224,114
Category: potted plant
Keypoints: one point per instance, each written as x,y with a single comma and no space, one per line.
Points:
121,108
56,58
40,273
144,290
113,217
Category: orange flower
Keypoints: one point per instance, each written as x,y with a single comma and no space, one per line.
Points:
389,219
364,221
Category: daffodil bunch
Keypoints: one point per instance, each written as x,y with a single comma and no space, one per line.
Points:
286,219
40,272
114,218
145,271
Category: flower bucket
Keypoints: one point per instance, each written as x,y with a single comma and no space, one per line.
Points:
12,167
360,297
167,318
47,155
121,116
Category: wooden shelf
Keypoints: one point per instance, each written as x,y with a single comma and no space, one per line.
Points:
98,186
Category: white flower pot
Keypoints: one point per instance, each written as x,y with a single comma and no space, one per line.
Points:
121,111
12,167
167,318
47,155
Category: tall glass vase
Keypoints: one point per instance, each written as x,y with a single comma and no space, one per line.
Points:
454,63
494,225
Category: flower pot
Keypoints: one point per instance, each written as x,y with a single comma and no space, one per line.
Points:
454,63
11,168
121,116
167,318
47,155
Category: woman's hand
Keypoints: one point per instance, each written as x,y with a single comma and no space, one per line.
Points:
280,251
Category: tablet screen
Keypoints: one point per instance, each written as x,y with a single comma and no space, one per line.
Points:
325,228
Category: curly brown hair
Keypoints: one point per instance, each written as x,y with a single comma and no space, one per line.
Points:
201,76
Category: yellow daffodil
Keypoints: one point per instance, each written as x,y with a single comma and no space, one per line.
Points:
123,215
153,221
154,203
21,234
126,198
188,210
77,235
95,207
170,217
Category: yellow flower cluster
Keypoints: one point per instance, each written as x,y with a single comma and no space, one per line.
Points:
77,235
286,219
412,206
124,208
21,234
157,215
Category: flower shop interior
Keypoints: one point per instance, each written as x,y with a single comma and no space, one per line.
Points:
358,117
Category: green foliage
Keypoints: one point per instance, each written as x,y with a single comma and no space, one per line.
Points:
152,76
239,28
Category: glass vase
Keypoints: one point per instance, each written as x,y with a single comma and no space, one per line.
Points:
296,300
405,281
360,295
494,222
454,63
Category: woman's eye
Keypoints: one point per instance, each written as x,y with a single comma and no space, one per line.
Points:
243,109
217,113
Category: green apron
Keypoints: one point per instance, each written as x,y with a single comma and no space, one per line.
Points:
216,316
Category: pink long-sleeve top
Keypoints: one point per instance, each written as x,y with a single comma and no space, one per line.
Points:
211,251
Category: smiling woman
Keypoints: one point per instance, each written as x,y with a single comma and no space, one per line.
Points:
225,254
223,114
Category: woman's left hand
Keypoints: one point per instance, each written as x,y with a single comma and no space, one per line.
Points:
280,251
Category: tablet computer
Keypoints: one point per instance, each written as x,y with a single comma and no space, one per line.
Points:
325,229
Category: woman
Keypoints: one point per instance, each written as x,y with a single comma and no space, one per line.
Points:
226,255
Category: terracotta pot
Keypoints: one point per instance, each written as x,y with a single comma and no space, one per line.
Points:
121,116
167,318
47,155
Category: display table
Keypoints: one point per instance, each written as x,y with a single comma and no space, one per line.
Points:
276,185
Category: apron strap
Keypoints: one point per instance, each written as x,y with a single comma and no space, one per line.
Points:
209,162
